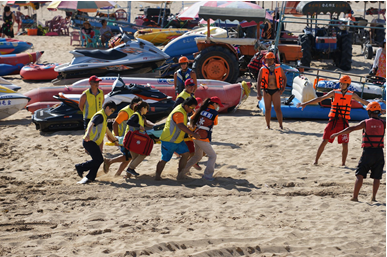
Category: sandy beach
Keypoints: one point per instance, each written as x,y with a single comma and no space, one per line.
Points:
268,198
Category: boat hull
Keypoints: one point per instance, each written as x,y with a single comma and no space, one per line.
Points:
10,103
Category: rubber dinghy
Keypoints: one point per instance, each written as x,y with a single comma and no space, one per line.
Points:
231,95
11,102
13,63
13,46
301,92
39,72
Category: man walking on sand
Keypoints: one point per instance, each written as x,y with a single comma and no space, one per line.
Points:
372,144
338,116
272,80
91,100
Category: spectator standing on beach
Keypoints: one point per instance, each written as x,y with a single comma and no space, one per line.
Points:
338,116
372,158
8,21
120,128
379,66
183,74
272,80
138,122
172,138
106,32
91,100
93,138
203,121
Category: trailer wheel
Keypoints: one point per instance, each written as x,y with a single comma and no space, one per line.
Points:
217,63
306,48
346,52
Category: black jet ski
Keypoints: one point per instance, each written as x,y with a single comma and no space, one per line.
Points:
68,116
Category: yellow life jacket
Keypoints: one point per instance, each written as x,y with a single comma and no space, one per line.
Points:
123,128
93,103
140,121
171,132
184,94
98,132
265,76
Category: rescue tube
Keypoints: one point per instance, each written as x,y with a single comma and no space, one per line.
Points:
13,46
39,71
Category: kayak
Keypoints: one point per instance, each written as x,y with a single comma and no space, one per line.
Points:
13,63
13,46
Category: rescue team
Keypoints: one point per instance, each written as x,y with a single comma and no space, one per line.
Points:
198,126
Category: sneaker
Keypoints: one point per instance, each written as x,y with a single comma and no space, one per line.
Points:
132,172
79,171
83,181
196,166
208,178
106,165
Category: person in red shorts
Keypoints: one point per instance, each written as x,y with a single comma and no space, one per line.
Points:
338,116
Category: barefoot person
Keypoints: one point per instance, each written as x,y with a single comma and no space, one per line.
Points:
183,74
272,80
372,144
93,138
172,138
203,121
338,116
120,129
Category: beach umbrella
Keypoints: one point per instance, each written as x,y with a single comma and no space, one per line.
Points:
244,5
191,12
83,6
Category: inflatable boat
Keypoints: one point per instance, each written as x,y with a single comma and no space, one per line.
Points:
301,93
39,71
159,36
185,45
11,102
13,63
13,46
231,95
371,91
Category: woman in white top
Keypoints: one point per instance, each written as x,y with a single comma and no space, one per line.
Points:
105,31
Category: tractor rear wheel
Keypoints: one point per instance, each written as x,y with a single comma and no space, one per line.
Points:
306,48
217,63
346,52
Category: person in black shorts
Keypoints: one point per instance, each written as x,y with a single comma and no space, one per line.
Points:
372,144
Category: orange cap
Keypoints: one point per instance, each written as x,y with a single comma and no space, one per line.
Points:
269,55
183,59
345,79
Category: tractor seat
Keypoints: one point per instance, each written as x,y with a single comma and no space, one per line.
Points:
111,54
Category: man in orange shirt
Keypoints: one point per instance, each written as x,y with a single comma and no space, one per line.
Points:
119,130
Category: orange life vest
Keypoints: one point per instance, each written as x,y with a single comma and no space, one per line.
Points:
265,76
341,106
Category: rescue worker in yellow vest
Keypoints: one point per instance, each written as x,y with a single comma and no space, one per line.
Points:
172,138
338,116
183,74
187,92
272,80
91,100
120,128
373,144
95,132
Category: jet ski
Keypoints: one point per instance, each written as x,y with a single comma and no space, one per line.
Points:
68,116
128,58
11,102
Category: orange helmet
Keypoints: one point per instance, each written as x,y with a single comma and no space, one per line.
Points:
183,59
269,55
345,79
373,106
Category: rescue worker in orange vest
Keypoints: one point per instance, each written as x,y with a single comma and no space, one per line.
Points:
338,116
272,80
372,144
183,74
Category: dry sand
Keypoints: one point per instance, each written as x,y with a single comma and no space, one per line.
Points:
267,200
